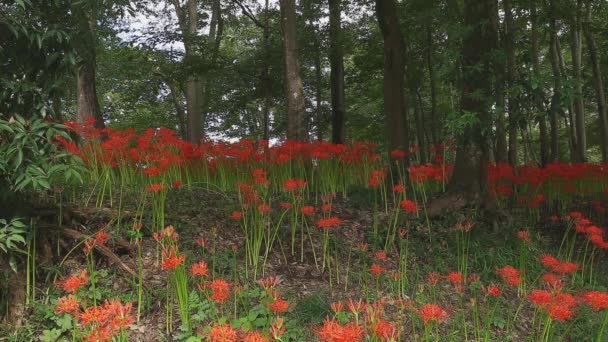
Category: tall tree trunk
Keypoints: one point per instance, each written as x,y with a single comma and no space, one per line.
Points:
470,169
432,83
579,109
87,103
598,82
570,119
318,96
336,61
538,91
511,76
297,127
556,99
499,91
394,70
266,82
179,108
419,120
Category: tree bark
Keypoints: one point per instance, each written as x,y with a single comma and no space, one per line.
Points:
394,73
470,174
598,82
570,118
432,84
511,77
556,99
336,60
419,120
499,92
266,82
319,91
87,103
538,91
297,127
579,109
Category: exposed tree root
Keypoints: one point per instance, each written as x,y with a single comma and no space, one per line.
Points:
102,249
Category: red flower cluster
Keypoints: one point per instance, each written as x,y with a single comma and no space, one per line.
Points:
329,222
332,331
74,282
409,206
432,312
558,266
559,306
220,290
510,275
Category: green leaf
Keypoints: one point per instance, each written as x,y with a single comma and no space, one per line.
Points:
12,261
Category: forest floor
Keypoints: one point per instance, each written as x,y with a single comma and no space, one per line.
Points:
432,263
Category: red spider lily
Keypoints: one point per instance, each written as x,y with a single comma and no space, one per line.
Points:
308,210
558,266
278,306
222,333
172,261
399,188
464,226
236,215
270,282
385,330
381,255
155,188
332,331
432,312
326,223
409,206
558,306
524,236
294,184
200,269
455,278
540,297
285,205
398,154
376,270
492,290
101,238
264,208
69,305
337,307
177,184
554,218
510,275
553,282
596,300
74,282
254,336
277,329
356,307
326,207
220,290
202,242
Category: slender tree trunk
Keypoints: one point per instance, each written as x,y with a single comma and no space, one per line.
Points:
419,117
579,109
179,109
432,83
394,70
556,99
511,76
266,82
598,82
336,57
297,127
87,103
538,92
570,122
318,96
499,91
